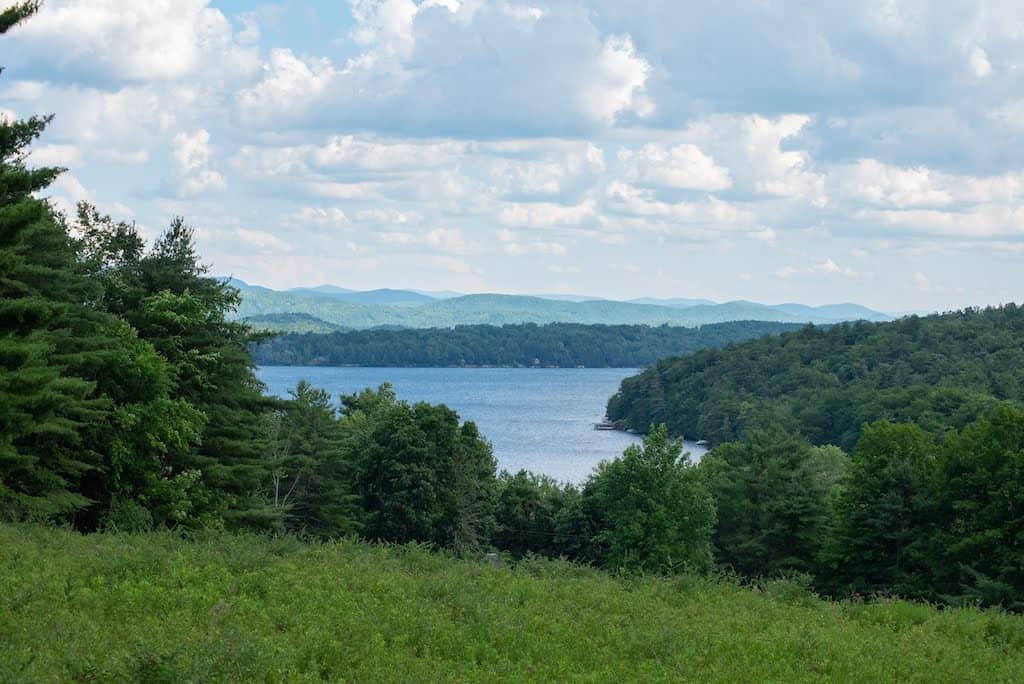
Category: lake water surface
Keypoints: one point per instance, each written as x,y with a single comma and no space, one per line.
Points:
538,419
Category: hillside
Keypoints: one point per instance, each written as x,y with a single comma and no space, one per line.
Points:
565,345
408,309
384,296
941,371
159,608
291,323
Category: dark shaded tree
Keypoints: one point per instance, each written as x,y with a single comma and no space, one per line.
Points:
879,539
979,544
772,493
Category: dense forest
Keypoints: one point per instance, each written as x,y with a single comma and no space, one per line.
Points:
940,371
862,460
556,344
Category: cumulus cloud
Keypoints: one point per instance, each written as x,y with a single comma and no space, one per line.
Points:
192,153
548,215
825,267
422,68
683,166
127,41
324,216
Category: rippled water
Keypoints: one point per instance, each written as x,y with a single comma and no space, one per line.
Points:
538,419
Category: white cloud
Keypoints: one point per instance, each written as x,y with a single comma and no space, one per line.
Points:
1011,113
262,240
289,86
758,152
512,245
324,216
86,116
347,151
383,215
192,152
764,234
449,241
56,155
422,68
683,166
202,182
978,62
886,185
618,83
642,203
986,221
133,41
557,169
825,267
547,215
451,264
881,184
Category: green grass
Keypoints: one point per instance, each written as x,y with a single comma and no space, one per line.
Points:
244,608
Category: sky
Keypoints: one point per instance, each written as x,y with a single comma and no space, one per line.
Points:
819,152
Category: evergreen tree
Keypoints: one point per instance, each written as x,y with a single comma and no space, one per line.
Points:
979,550
44,405
879,537
311,476
167,295
772,492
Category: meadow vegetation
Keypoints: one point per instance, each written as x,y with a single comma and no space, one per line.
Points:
235,606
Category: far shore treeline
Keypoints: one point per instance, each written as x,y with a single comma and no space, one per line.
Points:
563,345
865,460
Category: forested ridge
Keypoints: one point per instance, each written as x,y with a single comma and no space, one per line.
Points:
941,372
552,345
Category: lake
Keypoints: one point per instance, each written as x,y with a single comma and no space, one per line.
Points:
538,419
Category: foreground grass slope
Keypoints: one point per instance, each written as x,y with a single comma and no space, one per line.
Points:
159,608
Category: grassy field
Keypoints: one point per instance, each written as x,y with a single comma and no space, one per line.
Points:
158,608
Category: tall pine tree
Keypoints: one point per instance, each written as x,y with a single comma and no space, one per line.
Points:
44,406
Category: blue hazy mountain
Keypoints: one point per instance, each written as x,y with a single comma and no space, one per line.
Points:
332,307
835,312
674,302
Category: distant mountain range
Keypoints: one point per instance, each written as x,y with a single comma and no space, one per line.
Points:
329,308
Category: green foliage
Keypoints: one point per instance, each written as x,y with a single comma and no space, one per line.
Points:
46,401
980,513
16,13
880,537
535,515
166,296
289,323
419,474
237,607
653,512
942,371
564,345
772,493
